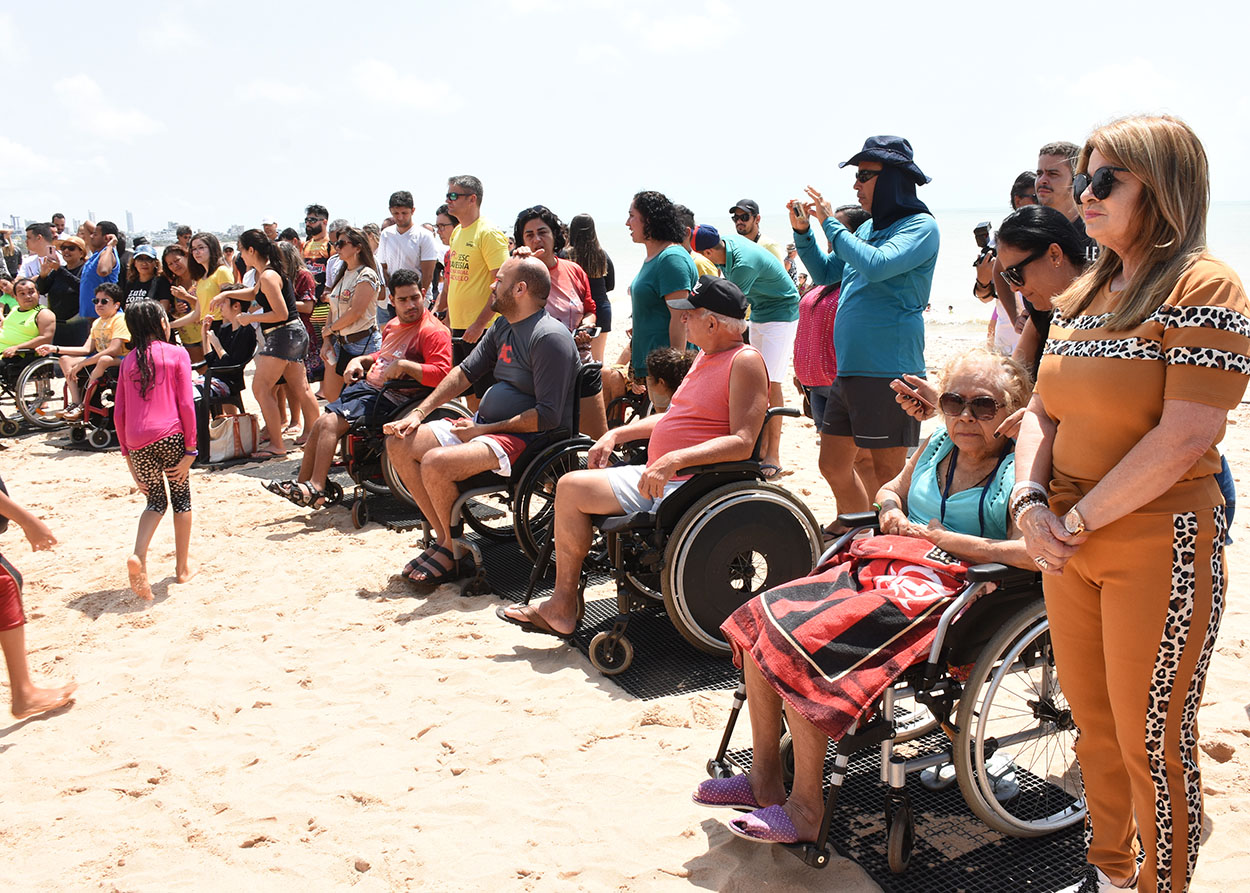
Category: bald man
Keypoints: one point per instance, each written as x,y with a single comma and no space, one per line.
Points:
534,361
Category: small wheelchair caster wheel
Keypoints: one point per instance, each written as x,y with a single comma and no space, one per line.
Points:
900,838
360,513
334,493
786,749
718,769
9,427
77,434
476,585
609,655
100,438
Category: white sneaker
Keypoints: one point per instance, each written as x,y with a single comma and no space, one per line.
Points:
1095,882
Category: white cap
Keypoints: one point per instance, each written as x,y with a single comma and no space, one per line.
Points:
268,221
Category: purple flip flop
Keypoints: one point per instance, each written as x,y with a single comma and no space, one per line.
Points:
767,825
733,792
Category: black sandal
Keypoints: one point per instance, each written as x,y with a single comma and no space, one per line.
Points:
440,574
307,494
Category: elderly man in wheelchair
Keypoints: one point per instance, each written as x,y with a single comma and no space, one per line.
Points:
715,416
831,644
415,356
534,360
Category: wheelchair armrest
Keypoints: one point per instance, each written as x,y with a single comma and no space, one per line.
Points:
790,411
202,364
993,572
615,523
403,384
750,466
854,520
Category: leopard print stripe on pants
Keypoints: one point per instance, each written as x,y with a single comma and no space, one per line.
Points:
1133,619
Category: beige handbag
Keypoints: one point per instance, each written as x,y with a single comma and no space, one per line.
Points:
232,437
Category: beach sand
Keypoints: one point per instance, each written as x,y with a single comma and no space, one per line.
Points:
293,716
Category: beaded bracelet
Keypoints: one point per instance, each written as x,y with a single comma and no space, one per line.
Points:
1024,504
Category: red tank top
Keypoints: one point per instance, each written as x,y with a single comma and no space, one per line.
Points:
700,407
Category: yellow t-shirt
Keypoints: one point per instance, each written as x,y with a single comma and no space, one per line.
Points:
104,331
475,251
210,287
703,265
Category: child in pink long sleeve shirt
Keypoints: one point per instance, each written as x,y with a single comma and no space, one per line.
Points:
155,418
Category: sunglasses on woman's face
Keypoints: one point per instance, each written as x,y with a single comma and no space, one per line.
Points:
983,408
1015,273
1101,183
341,242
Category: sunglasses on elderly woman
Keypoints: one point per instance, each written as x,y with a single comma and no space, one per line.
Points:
983,407
1101,183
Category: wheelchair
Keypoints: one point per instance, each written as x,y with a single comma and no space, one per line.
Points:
35,387
520,506
713,544
364,455
989,684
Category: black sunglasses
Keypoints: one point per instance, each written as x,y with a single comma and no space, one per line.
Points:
740,218
453,196
983,408
1101,183
341,242
865,176
1015,273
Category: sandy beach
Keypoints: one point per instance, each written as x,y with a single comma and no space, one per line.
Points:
295,717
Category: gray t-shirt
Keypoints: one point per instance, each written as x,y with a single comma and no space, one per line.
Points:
535,362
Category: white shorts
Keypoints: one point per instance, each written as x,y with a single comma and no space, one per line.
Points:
624,480
775,341
447,437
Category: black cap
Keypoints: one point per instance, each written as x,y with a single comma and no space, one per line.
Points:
747,204
715,294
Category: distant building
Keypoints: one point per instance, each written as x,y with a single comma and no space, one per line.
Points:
130,222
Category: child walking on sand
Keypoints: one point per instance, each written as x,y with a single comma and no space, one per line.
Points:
155,417
24,698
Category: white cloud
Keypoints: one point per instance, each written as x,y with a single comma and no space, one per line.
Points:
98,115
169,33
267,90
687,31
383,84
598,54
21,162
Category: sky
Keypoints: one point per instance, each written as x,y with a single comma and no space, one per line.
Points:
220,113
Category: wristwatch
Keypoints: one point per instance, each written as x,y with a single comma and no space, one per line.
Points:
1073,522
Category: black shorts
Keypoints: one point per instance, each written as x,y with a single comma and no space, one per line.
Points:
288,341
592,384
865,408
460,349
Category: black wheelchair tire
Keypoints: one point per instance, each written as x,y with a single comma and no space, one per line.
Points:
736,528
534,503
1021,646
44,381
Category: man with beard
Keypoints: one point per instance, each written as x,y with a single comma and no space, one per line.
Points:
534,360
317,245
746,218
58,224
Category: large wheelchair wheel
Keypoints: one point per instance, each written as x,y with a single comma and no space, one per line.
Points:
40,393
394,484
1013,754
730,546
535,502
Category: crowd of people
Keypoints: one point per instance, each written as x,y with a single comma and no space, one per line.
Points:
1105,476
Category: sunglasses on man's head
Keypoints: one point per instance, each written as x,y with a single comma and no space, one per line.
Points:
983,407
740,218
865,176
1015,273
1101,183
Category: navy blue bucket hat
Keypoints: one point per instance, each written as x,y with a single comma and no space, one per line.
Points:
891,150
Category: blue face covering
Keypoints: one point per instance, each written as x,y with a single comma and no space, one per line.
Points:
894,197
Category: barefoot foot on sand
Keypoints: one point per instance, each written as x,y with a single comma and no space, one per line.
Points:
41,700
139,577
182,576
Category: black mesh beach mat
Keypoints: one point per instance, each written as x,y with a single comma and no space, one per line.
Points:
954,852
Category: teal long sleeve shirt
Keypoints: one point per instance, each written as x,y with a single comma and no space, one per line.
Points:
886,278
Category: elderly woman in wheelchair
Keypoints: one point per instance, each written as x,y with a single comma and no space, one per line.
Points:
829,645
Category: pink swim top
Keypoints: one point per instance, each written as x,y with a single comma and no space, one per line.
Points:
169,407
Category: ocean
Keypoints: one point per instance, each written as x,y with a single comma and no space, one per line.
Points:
1228,234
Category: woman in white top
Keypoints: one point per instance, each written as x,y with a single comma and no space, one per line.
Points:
352,330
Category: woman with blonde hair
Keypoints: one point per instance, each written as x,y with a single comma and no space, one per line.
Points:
1117,496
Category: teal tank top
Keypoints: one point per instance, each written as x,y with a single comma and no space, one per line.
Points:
978,511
